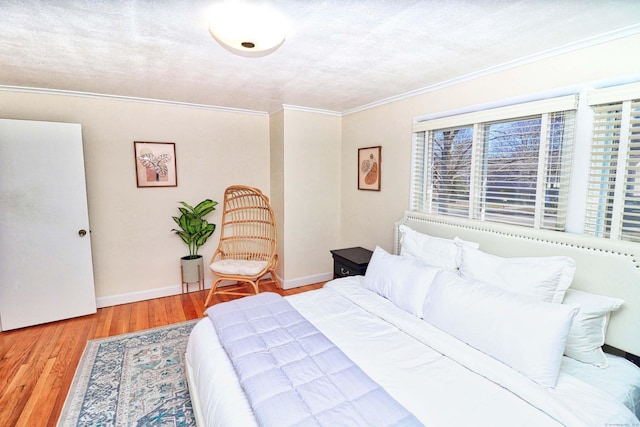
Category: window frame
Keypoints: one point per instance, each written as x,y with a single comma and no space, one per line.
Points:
607,192
421,194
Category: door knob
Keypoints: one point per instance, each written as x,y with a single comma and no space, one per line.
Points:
82,233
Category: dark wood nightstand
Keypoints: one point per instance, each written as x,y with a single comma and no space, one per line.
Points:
350,261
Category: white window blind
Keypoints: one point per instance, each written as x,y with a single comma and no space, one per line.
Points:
511,169
613,198
418,178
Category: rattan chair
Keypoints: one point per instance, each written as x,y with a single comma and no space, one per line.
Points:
247,249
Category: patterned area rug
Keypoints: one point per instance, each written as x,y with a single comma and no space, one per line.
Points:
135,379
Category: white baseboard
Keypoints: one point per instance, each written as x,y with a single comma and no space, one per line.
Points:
145,295
308,280
177,289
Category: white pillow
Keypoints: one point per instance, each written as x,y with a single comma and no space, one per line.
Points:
542,278
589,328
432,250
523,333
404,281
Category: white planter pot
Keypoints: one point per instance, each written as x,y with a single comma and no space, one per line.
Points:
192,269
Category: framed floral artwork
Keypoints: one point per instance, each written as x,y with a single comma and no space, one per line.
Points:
369,161
155,164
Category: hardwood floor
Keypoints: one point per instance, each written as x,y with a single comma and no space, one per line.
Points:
37,364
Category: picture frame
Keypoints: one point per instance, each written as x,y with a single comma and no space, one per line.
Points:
155,164
369,168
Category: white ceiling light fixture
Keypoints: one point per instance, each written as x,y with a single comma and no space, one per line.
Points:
247,29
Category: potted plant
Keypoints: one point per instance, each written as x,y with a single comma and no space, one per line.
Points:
194,231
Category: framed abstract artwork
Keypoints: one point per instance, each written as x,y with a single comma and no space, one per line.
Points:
155,164
369,163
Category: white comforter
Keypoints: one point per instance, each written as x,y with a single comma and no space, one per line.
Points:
441,380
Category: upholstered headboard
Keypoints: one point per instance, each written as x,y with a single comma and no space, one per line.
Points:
603,266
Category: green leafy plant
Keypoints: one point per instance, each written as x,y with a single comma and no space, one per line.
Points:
194,229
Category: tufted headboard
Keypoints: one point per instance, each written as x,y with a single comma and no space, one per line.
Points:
603,266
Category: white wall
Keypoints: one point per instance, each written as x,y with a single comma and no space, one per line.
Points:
309,169
367,217
305,161
134,252
276,137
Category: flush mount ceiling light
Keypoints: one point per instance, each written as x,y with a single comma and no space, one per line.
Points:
247,29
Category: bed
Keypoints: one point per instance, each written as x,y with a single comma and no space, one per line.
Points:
422,326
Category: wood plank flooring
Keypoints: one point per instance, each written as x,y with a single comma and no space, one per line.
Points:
37,364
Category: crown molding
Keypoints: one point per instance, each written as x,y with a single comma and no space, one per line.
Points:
307,110
59,92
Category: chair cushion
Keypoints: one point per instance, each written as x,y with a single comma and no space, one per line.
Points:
238,267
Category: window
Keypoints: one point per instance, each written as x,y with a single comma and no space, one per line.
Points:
613,198
450,157
507,165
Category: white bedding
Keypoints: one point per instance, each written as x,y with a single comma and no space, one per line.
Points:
621,379
403,354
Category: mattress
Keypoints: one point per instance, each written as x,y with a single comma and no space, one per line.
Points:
440,380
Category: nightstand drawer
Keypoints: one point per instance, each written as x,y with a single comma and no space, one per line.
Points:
350,261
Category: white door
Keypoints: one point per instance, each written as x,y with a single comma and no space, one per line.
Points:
46,272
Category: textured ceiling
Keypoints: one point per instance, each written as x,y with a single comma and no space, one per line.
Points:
340,54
